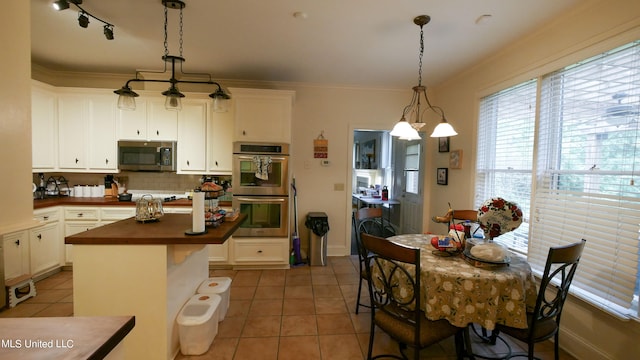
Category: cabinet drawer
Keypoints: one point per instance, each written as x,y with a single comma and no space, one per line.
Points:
260,251
117,213
47,215
84,213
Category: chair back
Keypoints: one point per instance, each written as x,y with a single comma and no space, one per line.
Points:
562,262
394,281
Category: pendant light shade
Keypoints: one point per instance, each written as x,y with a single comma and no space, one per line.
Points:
173,101
407,130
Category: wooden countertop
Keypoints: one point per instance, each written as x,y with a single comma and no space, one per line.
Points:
62,337
168,230
104,201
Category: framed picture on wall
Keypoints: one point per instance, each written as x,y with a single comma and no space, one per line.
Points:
442,176
368,155
443,144
455,159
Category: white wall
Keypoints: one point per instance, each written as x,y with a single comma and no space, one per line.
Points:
15,117
590,28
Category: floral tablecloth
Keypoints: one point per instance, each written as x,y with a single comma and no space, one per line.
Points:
455,290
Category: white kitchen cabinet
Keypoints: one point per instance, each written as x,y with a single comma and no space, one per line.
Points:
44,248
149,121
76,220
219,253
261,251
73,119
262,115
87,131
115,213
220,143
192,133
43,127
16,254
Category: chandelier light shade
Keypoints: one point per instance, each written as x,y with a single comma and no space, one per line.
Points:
411,121
126,96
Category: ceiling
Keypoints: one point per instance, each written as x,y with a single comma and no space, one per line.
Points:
371,43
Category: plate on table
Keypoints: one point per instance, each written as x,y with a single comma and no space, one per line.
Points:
475,261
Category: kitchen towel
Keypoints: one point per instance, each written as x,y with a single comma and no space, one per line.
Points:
197,213
262,164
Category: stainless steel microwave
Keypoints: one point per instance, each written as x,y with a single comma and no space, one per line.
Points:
147,155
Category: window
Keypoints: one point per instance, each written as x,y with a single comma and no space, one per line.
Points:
412,167
505,153
587,151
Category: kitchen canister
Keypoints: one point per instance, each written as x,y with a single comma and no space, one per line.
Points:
77,191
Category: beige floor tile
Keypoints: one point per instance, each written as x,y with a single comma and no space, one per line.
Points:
56,310
323,279
343,347
361,322
334,324
238,308
242,292
348,279
49,295
298,279
330,306
298,292
298,307
246,278
231,327
299,347
262,326
23,310
265,308
326,291
296,325
269,292
257,349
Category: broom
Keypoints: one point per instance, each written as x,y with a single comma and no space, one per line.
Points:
296,238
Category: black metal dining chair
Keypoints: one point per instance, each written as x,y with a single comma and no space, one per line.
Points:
370,221
394,292
544,321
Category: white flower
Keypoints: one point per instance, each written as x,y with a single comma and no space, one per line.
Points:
510,306
447,286
515,294
469,309
468,285
446,309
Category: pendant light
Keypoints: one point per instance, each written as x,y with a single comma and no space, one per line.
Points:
126,99
409,131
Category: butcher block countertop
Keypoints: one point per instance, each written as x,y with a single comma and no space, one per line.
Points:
62,337
168,230
103,201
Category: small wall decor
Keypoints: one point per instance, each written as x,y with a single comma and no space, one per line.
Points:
320,147
443,144
442,176
455,159
368,154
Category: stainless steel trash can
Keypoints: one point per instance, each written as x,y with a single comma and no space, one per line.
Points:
318,225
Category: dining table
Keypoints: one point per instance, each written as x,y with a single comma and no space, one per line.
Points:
466,292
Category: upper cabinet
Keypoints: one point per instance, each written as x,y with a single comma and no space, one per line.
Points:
220,142
149,121
192,133
43,127
262,115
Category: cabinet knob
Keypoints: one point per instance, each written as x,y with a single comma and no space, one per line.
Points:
259,251
17,242
106,161
188,163
158,132
77,160
80,214
138,132
216,163
39,236
46,217
244,132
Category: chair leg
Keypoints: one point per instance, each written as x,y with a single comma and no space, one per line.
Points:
371,333
556,345
459,341
359,293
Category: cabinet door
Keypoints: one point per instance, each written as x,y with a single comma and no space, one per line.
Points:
220,143
192,133
162,124
43,128
133,123
102,133
72,131
261,251
219,253
262,115
45,246
72,228
16,254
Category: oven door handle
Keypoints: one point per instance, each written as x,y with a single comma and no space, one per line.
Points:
246,157
261,199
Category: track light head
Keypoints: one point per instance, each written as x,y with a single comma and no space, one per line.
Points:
108,32
83,20
60,5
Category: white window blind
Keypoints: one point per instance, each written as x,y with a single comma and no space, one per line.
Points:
412,167
587,159
505,153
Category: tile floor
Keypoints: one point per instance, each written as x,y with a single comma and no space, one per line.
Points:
301,313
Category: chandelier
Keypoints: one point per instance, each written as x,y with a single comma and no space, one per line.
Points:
409,131
126,98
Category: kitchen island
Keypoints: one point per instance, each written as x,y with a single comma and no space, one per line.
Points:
148,270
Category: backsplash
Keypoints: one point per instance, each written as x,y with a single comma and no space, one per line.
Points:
160,181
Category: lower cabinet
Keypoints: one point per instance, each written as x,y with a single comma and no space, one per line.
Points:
16,254
45,248
256,251
72,228
219,253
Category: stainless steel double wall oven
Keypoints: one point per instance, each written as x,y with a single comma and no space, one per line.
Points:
260,185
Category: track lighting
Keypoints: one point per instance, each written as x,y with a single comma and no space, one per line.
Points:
126,96
108,32
83,20
84,15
